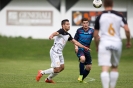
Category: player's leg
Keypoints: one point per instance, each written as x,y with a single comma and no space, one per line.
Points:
88,63
104,57
61,62
47,71
105,76
52,75
114,74
86,73
81,56
55,66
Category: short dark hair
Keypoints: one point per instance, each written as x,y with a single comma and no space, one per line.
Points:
108,3
64,21
84,19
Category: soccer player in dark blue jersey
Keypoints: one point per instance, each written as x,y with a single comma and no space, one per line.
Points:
84,35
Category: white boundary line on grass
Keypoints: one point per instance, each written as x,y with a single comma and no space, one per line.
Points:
90,80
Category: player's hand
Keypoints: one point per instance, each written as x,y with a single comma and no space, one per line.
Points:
88,49
76,50
128,44
51,37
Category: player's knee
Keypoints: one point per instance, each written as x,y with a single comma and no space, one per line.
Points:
88,67
82,59
57,70
62,69
114,68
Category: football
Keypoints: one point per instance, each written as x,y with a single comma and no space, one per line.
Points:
97,3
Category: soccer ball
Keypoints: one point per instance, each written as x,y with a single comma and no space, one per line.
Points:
97,3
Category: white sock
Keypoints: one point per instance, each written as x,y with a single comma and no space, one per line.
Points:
105,79
52,75
113,79
48,71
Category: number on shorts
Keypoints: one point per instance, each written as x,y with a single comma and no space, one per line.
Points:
111,30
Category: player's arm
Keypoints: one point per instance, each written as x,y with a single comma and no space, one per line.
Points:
76,38
96,32
127,32
79,44
96,38
53,34
76,48
60,31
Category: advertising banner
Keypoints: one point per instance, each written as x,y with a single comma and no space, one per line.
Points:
29,17
91,15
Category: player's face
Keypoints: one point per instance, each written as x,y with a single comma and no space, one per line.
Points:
85,24
67,26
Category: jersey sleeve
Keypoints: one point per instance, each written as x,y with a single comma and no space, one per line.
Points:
97,25
76,35
60,31
123,22
70,37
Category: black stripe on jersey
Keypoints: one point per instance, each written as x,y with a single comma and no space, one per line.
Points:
97,25
118,14
63,32
70,38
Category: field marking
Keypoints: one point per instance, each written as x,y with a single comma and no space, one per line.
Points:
90,80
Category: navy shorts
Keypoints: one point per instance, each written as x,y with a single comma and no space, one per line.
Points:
87,55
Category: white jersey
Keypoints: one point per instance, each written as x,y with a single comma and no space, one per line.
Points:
109,23
60,41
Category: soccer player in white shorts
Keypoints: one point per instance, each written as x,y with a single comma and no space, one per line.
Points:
56,54
110,45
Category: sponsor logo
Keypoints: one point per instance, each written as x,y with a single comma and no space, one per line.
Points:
31,18
91,15
90,32
77,16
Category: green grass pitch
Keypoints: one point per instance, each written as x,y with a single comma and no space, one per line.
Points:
20,59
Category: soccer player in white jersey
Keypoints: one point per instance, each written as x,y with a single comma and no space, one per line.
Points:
57,59
110,45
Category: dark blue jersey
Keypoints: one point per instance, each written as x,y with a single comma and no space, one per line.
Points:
84,37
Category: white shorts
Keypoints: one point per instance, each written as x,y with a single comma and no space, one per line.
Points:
56,59
109,53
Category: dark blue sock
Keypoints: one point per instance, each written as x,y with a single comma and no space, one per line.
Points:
85,73
81,68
